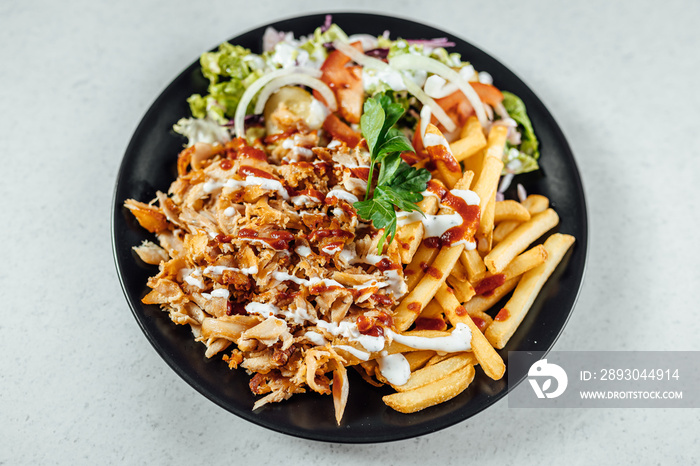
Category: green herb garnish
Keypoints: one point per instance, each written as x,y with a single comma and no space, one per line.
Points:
398,183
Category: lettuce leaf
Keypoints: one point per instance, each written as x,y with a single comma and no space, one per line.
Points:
517,111
516,161
524,158
203,107
229,70
319,38
313,44
228,61
453,60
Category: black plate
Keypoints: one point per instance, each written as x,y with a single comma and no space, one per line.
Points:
149,165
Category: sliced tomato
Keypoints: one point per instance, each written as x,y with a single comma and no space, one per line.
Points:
346,83
339,130
351,95
487,93
417,145
457,108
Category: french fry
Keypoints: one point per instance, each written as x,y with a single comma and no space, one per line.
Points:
439,151
481,319
482,303
509,318
471,140
504,229
439,357
433,372
487,186
366,369
494,148
435,273
474,264
497,142
432,310
487,183
526,261
459,272
420,262
464,291
409,308
431,317
515,243
418,359
490,361
534,204
484,234
518,266
378,374
436,175
431,394
409,236
475,163
466,181
510,210
426,252
472,125
421,163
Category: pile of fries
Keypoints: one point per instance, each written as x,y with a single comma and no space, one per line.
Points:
264,277
453,285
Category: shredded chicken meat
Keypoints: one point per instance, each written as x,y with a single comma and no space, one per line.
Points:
262,253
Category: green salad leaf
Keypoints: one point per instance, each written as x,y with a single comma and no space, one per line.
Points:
527,152
230,70
314,45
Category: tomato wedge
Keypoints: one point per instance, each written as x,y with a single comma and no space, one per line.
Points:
351,95
339,130
417,144
457,108
346,83
487,93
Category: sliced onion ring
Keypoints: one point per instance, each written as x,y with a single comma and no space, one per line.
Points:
418,62
249,94
316,84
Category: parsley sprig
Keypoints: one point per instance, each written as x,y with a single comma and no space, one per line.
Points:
398,183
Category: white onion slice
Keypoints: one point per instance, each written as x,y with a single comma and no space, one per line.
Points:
418,62
368,41
522,194
316,84
359,57
249,94
425,115
413,88
505,182
425,99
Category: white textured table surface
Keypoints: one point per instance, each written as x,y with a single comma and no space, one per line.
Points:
80,383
